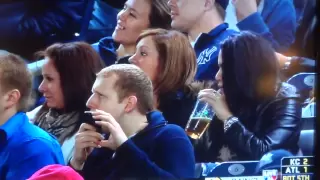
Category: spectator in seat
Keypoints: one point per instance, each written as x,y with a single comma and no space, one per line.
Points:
275,20
255,110
169,60
140,143
205,28
136,16
309,110
30,26
167,57
24,147
68,75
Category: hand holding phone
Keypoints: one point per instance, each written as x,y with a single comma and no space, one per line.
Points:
87,118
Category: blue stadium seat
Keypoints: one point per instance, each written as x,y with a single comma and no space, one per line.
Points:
308,123
235,168
85,21
304,82
198,170
306,142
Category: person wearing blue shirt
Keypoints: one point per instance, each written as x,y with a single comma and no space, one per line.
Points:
135,17
275,20
206,30
24,148
140,144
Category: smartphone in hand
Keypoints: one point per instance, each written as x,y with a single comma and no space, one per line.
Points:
87,118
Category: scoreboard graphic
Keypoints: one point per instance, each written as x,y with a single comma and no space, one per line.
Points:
297,168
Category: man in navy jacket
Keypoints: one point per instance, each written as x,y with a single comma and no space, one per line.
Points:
30,25
203,21
140,143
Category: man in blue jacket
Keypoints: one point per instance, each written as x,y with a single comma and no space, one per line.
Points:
203,21
140,143
24,147
28,26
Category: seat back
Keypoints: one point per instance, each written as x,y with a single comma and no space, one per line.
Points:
306,142
308,123
198,170
304,82
103,21
236,168
85,21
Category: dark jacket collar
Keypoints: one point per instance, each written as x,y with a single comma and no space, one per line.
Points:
108,47
108,44
214,33
155,119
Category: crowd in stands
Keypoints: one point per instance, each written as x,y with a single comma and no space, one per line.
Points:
117,108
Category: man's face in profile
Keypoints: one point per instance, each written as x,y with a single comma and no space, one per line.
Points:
105,97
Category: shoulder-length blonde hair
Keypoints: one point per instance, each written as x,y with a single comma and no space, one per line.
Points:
177,60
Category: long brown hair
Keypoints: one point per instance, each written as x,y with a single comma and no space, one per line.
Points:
177,60
77,64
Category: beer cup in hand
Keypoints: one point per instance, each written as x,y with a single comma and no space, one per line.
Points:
199,120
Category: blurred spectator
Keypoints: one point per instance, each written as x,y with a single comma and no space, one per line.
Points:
258,112
141,144
205,28
29,26
310,109
136,16
307,25
56,172
68,75
294,65
275,20
24,148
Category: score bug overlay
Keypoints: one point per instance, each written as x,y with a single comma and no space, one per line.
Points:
297,168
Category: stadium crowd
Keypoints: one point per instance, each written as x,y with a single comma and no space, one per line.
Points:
93,89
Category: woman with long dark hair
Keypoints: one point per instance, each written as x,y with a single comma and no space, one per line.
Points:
255,111
68,74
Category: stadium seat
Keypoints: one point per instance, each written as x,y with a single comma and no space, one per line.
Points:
198,170
304,82
85,21
306,142
308,123
235,168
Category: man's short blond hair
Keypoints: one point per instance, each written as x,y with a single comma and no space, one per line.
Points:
14,74
131,80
